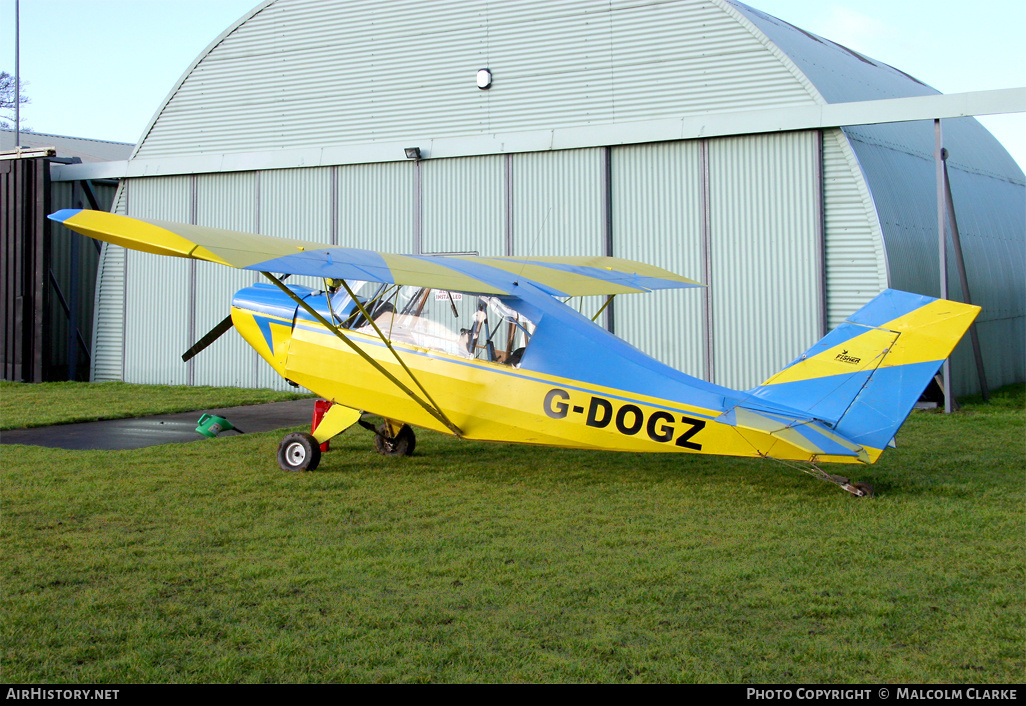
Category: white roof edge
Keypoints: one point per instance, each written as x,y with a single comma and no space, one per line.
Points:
810,117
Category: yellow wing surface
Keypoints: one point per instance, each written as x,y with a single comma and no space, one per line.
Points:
566,276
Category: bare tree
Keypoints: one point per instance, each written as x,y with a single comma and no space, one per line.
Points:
8,95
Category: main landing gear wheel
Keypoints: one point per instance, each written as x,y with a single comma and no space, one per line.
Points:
299,452
402,444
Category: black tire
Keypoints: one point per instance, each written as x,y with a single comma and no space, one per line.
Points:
865,489
299,452
402,445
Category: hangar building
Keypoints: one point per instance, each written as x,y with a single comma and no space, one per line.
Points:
663,131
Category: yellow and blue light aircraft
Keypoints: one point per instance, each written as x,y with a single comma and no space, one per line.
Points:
483,348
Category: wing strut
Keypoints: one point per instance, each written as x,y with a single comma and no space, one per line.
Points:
388,344
609,300
430,408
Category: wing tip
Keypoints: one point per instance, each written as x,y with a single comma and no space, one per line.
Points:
64,214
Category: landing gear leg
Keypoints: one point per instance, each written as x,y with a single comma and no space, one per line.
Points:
857,488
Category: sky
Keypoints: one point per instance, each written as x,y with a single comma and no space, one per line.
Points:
102,68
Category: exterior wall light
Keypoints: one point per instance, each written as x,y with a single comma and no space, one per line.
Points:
413,153
484,79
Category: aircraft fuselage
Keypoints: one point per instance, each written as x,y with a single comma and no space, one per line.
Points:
532,403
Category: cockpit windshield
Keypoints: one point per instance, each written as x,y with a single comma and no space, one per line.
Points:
457,323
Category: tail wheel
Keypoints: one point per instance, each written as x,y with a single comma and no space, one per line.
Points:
857,488
299,452
863,490
402,444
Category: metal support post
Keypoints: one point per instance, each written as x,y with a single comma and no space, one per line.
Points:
942,217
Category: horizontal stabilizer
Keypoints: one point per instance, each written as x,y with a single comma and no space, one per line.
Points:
808,435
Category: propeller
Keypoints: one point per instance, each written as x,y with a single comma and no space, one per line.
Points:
214,334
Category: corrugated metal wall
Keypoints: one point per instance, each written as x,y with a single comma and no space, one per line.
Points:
48,273
762,221
229,201
74,263
108,361
996,271
897,160
193,297
899,165
558,203
24,264
157,293
559,207
856,262
743,214
314,216
376,206
111,307
464,205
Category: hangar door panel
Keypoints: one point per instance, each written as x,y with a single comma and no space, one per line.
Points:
157,289
657,218
559,208
558,203
765,286
464,205
229,361
284,214
376,206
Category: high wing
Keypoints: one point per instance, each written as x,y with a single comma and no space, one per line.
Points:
557,276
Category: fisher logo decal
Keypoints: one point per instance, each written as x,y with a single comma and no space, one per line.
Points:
845,358
629,419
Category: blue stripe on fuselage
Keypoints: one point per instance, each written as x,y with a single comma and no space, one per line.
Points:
268,299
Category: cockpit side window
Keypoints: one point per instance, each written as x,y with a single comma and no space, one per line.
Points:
456,323
373,297
507,331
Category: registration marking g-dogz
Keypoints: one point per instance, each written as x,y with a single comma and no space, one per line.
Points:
629,419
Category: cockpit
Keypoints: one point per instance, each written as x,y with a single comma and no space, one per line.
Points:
457,323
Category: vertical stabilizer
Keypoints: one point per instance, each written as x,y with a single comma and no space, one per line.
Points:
864,377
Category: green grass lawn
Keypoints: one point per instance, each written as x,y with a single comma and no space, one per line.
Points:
471,562
23,405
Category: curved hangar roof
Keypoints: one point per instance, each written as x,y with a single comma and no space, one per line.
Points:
300,74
